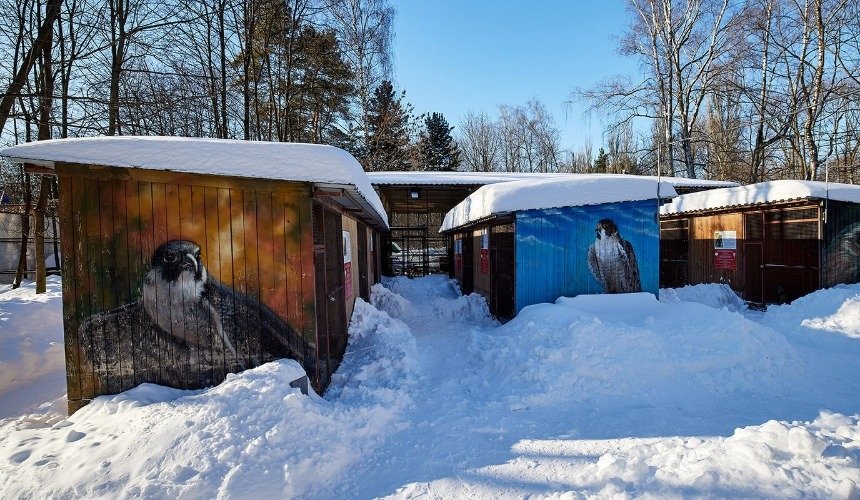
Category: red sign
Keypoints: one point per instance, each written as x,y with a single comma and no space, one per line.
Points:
458,263
725,259
347,280
485,261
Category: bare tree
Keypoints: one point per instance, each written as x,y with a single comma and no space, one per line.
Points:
479,142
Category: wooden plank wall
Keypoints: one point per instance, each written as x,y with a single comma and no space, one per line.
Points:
351,226
482,283
255,242
701,245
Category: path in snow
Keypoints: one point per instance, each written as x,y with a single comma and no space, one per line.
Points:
469,434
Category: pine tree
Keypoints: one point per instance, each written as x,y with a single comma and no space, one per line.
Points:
602,162
389,145
437,148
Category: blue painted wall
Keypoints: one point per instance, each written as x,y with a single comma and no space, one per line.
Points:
552,248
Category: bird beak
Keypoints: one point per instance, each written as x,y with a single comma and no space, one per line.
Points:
190,263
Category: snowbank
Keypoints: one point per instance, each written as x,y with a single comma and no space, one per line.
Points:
472,308
777,459
763,192
568,191
632,346
713,295
251,433
832,310
381,355
385,300
32,353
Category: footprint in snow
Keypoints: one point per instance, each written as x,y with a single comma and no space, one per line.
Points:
74,436
19,457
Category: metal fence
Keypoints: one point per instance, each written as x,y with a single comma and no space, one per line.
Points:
10,242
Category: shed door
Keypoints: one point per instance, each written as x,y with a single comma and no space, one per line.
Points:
330,306
502,265
468,283
754,257
754,291
363,275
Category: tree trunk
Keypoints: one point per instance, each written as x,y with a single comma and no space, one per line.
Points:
25,234
43,38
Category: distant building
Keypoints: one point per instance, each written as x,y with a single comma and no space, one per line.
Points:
771,242
525,242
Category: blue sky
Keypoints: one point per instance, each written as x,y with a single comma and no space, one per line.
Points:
456,56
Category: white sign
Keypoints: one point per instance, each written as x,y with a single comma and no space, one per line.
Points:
726,240
347,248
485,239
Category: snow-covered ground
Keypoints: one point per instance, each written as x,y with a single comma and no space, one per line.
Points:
592,396
32,355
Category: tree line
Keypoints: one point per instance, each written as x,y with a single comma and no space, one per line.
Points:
314,71
742,90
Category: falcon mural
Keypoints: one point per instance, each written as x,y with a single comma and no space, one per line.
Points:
185,314
612,261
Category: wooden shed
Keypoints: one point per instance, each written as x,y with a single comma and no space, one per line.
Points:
417,202
187,259
771,242
525,242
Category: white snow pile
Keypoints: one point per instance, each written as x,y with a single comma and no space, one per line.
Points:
763,192
387,301
832,310
472,308
32,353
713,295
590,347
380,358
777,459
252,433
845,320
315,163
604,395
568,191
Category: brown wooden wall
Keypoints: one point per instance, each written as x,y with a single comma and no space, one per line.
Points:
351,226
702,249
255,242
778,251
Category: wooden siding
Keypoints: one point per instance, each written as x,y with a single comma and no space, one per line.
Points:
701,245
553,246
352,227
778,256
255,242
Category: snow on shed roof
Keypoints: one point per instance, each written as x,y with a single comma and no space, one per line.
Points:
763,192
418,178
413,178
322,165
568,191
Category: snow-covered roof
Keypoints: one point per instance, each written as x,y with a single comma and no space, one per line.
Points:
418,178
763,192
325,166
686,182
567,191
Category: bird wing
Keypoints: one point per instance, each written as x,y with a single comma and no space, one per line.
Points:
593,264
252,327
124,347
633,267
